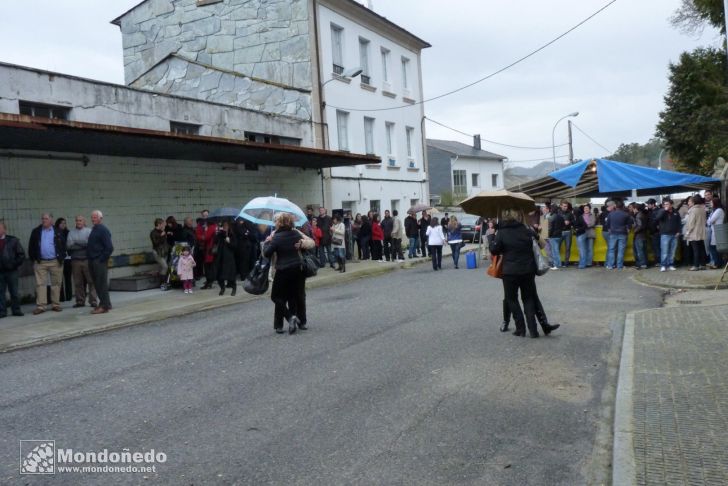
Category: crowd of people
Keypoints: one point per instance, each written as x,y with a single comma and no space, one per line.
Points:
689,224
67,258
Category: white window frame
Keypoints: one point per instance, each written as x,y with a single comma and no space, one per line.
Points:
342,129
405,73
494,180
389,131
410,134
364,60
459,175
368,135
337,49
385,64
475,179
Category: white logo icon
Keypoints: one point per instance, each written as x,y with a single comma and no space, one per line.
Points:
37,456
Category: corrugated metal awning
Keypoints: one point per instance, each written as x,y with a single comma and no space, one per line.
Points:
21,132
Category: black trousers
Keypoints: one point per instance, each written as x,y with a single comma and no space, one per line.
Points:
286,294
698,250
436,254
540,313
423,244
100,275
526,284
388,249
365,247
67,282
397,249
376,250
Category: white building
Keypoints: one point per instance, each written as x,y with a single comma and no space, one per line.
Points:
376,113
461,170
289,57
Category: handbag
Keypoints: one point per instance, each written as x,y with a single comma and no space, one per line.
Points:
257,282
337,241
308,264
542,266
495,269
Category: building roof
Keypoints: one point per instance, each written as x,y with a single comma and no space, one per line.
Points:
463,150
361,8
22,132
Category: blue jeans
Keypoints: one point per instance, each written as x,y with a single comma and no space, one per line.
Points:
668,246
617,246
555,251
455,248
9,281
566,239
639,246
586,250
715,256
413,246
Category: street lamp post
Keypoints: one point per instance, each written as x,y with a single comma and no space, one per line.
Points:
553,133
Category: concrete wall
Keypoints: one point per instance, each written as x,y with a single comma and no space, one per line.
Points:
268,39
110,104
132,192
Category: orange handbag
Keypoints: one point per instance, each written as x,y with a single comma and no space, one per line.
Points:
495,269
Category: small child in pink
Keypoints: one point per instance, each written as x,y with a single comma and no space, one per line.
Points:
184,269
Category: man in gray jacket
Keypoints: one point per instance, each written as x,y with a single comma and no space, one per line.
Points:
76,244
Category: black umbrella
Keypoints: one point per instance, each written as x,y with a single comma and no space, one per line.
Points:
220,214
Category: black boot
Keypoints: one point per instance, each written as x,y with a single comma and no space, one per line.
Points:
343,265
548,328
504,327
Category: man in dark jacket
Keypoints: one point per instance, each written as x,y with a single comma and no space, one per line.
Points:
324,222
567,212
11,258
99,251
412,231
387,225
47,250
670,227
619,224
424,223
556,231
653,229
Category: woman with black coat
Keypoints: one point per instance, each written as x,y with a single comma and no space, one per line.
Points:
225,265
365,237
289,280
514,242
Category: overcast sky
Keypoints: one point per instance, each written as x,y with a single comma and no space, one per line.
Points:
613,70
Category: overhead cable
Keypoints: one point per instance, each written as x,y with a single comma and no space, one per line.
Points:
491,141
505,68
590,138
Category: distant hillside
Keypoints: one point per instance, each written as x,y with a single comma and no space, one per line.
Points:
521,175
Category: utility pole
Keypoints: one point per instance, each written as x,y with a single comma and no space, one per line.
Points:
725,17
571,141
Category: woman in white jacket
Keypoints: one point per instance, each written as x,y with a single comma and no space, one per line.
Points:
716,217
338,242
435,241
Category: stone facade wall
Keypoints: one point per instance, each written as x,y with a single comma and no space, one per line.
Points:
181,77
131,192
266,39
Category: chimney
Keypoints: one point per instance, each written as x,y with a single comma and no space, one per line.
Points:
476,142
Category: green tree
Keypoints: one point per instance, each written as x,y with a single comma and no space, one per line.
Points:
694,124
693,15
635,153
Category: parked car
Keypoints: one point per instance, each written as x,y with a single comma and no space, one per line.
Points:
471,227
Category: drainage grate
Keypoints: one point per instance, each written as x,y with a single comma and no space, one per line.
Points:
694,302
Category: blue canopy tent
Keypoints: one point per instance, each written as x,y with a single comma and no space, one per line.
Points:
605,178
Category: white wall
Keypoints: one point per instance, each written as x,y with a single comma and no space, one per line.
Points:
402,180
484,168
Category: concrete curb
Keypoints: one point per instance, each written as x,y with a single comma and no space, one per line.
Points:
641,279
623,461
327,281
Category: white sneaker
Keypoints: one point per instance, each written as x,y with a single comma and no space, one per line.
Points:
400,260
189,291
663,269
554,268
672,269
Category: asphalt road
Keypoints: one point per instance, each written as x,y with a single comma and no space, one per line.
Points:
401,379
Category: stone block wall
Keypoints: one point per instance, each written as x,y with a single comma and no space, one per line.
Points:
266,39
131,192
180,77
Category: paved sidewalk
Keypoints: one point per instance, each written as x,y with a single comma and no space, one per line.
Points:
672,398
131,308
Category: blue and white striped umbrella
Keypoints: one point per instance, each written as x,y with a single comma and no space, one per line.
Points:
263,210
